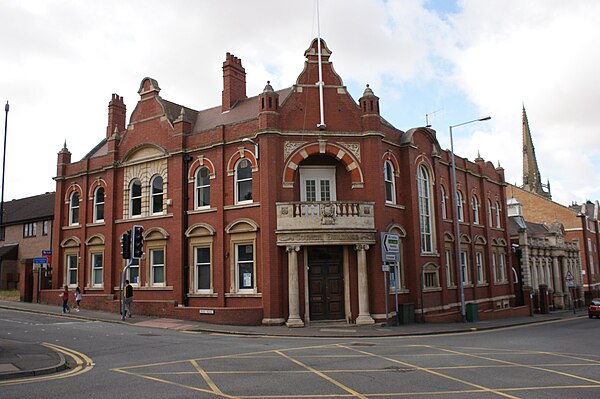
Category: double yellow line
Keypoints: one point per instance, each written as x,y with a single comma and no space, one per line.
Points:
82,364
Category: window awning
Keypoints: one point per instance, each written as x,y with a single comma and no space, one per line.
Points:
9,252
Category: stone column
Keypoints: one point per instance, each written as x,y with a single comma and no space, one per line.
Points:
364,317
294,319
559,299
536,282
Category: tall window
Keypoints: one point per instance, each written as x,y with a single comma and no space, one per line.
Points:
500,271
202,183
475,208
243,181
388,178
157,266
45,227
443,202
157,195
497,214
74,209
479,266
135,199
423,186
464,267
97,269
99,205
449,269
490,220
71,269
29,229
244,260
202,264
459,206
133,273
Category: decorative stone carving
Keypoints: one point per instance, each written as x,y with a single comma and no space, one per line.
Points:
290,146
328,214
354,148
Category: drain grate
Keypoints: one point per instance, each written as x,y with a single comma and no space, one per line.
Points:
149,335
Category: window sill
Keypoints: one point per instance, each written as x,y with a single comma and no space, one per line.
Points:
241,206
71,227
96,288
150,217
433,289
400,291
392,205
483,285
501,283
243,295
203,295
430,254
203,210
95,224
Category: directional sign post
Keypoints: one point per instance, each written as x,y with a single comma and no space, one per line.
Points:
390,256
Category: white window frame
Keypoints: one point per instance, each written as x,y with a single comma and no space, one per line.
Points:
425,209
154,265
198,265
319,174
95,268
238,181
501,268
459,206
497,214
72,263
389,182
199,188
448,264
157,193
479,267
30,229
443,203
99,205
431,277
464,265
490,218
74,209
135,199
475,207
238,285
135,265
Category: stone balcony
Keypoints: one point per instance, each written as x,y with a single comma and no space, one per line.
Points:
325,223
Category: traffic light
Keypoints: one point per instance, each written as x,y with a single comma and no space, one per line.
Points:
138,242
126,245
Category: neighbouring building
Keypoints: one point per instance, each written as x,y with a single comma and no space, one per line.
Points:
269,209
572,225
25,232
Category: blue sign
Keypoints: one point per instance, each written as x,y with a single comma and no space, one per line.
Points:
46,252
40,260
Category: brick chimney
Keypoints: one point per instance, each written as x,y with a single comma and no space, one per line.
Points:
116,115
234,82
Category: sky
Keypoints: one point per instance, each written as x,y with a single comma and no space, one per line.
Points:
429,61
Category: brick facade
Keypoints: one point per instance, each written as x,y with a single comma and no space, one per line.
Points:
290,229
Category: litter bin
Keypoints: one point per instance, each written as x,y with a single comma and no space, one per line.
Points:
406,313
471,312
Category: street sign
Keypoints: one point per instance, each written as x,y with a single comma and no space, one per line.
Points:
385,267
46,252
40,260
569,276
390,247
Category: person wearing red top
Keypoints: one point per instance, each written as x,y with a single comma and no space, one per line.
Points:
65,300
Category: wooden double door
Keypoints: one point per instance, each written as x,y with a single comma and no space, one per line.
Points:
326,283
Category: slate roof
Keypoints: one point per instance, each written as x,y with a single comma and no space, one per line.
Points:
533,229
38,207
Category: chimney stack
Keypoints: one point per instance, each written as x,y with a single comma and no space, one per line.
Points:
116,115
234,82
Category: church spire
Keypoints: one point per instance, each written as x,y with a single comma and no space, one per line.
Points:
532,180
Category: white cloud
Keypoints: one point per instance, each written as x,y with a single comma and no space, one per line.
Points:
62,60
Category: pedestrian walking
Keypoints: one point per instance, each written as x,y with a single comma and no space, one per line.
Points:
128,298
77,298
65,300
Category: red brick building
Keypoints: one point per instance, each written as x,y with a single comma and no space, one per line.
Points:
268,210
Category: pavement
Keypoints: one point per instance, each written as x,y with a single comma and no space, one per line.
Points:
21,359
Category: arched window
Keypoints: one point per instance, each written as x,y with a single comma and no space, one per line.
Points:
497,214
388,178
74,209
243,181
490,220
202,184
475,208
157,195
424,191
443,202
431,277
135,198
459,206
99,205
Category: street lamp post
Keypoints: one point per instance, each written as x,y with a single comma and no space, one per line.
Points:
456,220
6,107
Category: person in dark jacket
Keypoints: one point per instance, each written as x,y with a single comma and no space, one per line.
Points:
128,298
